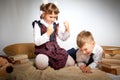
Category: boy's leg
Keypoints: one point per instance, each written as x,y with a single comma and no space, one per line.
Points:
70,61
72,53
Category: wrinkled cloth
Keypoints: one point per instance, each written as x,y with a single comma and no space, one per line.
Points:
57,56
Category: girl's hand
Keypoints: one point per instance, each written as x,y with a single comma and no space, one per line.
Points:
49,30
66,24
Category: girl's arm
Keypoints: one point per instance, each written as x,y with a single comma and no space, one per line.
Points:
38,38
66,34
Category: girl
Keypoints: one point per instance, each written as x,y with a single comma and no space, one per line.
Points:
48,52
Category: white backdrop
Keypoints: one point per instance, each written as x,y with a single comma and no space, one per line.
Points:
101,17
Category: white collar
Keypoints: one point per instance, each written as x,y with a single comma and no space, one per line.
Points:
94,49
43,22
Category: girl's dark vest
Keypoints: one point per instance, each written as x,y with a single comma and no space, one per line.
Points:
57,56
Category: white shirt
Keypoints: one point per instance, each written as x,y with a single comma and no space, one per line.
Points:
81,58
41,39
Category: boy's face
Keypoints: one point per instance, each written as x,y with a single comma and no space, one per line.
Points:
87,48
50,18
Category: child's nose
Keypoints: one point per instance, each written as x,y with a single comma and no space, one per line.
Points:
83,51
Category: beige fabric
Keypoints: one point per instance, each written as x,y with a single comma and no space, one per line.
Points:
73,73
20,48
27,71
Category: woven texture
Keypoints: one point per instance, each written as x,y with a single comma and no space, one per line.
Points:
27,71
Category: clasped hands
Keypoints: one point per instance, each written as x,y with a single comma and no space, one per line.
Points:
50,29
85,69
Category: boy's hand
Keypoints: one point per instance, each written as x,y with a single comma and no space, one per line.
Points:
83,68
49,30
88,70
66,24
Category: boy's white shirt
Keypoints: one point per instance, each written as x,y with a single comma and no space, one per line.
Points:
81,58
41,39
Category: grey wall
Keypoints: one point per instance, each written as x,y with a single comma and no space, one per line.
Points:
101,17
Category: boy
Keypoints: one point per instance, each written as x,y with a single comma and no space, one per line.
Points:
89,53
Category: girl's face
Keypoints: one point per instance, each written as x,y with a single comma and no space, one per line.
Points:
87,48
50,18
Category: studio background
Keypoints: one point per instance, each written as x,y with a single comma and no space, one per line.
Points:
101,17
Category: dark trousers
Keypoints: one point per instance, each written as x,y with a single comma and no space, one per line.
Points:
72,53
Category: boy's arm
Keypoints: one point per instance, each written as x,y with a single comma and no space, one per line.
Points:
79,59
97,57
88,70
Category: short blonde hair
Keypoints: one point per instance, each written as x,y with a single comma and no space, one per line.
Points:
84,37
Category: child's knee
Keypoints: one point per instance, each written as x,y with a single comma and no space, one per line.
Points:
41,61
70,61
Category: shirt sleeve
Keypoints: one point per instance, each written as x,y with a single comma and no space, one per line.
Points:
63,35
79,58
97,57
38,38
